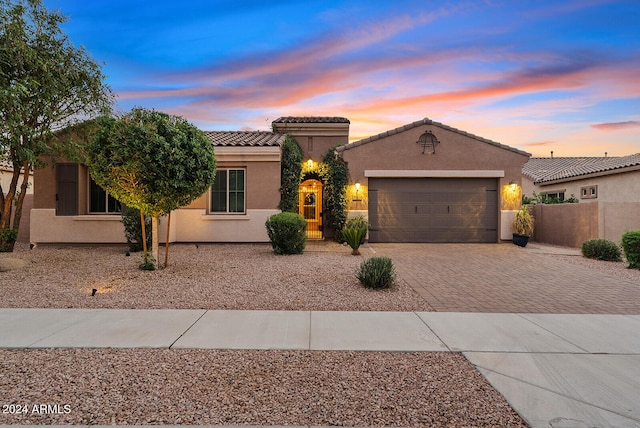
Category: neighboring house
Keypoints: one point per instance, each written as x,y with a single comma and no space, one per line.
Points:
423,182
610,184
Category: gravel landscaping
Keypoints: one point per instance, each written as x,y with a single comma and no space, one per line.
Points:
160,386
243,276
173,386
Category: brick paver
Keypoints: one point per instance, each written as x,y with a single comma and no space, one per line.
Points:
506,278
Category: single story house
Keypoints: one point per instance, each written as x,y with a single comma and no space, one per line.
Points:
607,189
423,182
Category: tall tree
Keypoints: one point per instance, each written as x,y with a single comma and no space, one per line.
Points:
46,84
152,161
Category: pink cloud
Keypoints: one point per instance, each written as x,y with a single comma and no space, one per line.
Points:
614,126
519,82
539,143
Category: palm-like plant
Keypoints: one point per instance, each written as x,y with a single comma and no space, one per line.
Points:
354,237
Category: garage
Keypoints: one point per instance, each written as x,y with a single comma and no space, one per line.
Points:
433,210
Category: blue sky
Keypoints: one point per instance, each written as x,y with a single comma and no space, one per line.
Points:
537,75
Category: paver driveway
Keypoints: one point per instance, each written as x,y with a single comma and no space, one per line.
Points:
507,278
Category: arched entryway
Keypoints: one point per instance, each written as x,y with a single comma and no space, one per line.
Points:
310,206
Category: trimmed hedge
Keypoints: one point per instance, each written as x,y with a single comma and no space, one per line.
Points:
287,233
601,249
631,246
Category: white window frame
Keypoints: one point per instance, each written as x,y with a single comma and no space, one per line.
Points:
244,193
589,192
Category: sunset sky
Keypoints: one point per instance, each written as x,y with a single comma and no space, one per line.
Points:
536,75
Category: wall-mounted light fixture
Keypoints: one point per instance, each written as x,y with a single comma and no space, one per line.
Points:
310,164
357,186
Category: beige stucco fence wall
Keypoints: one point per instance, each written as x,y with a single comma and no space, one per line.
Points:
571,224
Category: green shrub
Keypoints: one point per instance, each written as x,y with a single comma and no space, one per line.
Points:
376,272
601,249
7,240
357,222
148,263
354,237
133,230
287,233
631,246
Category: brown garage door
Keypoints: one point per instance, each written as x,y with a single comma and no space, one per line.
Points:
433,209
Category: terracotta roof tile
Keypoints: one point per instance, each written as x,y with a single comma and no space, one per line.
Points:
311,119
542,170
245,138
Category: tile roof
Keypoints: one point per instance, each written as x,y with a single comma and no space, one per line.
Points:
311,119
245,138
427,121
542,170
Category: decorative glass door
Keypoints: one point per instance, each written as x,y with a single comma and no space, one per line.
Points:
310,207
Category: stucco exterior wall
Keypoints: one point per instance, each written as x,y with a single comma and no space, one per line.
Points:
6,175
456,151
47,227
616,218
567,225
457,155
315,139
614,211
44,188
190,224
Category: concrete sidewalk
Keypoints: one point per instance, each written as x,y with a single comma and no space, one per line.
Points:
555,370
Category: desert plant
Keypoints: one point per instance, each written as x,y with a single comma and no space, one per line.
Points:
133,229
523,222
357,222
376,272
354,237
631,246
601,249
287,233
148,263
7,240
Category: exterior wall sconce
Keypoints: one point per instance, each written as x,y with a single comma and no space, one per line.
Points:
357,198
310,164
513,185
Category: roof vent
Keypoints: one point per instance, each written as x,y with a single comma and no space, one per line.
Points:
428,141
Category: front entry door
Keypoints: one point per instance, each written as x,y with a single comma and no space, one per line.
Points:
310,207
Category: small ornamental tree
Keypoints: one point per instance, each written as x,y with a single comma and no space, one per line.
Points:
46,84
153,162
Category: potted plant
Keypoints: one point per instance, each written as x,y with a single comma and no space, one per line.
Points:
522,227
